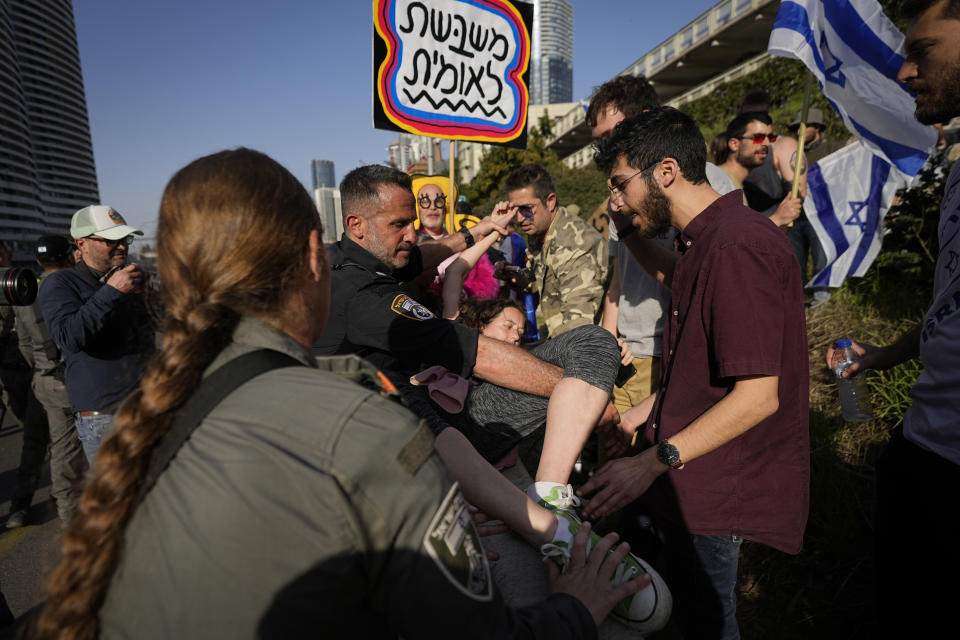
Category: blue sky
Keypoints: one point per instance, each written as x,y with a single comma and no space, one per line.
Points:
170,81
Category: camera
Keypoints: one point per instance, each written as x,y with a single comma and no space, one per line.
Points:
512,276
19,287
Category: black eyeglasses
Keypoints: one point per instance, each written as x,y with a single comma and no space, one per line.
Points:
440,202
618,188
759,137
127,241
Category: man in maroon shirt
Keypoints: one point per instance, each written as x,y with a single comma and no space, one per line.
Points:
727,434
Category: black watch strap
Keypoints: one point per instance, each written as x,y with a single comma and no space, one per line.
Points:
468,237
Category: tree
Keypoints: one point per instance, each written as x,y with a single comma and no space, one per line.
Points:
584,187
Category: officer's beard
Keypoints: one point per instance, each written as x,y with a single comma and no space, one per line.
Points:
393,258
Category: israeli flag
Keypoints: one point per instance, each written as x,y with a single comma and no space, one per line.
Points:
848,193
855,52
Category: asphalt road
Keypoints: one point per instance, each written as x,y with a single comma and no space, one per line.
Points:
29,553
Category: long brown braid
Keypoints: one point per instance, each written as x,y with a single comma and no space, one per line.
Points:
232,241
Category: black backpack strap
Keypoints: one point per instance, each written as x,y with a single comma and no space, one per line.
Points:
211,391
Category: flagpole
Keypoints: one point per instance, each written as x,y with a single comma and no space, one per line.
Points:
802,136
452,204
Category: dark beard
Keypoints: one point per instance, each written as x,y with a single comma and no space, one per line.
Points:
943,97
655,210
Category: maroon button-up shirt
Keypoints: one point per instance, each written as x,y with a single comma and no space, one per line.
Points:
736,310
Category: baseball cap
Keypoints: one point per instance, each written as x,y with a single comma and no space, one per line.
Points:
101,220
814,116
51,248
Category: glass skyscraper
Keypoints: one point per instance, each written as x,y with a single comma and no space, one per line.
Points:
47,170
551,59
323,177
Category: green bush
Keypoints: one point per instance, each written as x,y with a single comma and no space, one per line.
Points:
899,282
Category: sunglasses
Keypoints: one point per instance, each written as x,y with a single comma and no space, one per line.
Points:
759,137
439,203
127,241
525,211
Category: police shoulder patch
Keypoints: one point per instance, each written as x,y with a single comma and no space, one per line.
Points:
407,307
454,545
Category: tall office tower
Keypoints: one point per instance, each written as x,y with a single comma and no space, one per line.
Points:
407,150
327,200
551,58
323,176
46,156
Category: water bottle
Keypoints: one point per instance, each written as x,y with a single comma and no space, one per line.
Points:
854,396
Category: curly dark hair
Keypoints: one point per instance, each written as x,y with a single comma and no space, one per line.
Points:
479,312
653,135
631,95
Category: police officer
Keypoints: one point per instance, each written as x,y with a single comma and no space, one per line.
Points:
301,502
375,314
67,461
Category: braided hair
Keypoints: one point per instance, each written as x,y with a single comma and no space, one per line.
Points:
233,235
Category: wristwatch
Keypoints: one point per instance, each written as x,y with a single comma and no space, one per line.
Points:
669,455
468,237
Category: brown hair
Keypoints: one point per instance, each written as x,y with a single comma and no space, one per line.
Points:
232,241
534,176
479,312
631,95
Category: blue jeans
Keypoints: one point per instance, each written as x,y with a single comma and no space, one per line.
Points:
805,243
92,430
701,571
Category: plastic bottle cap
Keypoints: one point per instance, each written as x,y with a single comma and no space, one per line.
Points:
843,344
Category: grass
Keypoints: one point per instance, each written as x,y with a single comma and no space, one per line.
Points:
827,590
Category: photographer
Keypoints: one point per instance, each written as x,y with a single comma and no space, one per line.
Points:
97,318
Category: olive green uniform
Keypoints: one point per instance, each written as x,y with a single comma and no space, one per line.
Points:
570,269
67,461
308,505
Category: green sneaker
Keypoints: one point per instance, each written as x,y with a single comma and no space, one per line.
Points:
646,611
560,497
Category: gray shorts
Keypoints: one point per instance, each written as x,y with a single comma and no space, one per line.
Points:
499,417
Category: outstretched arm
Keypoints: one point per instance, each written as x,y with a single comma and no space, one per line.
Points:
619,482
457,272
508,366
436,251
871,357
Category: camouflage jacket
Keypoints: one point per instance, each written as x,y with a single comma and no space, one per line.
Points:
569,272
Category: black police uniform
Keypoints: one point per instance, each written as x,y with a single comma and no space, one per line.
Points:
376,316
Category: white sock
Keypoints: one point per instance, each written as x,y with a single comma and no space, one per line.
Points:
539,490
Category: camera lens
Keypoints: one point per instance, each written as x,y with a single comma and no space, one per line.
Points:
18,286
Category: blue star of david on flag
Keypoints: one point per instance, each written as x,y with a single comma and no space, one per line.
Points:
848,193
831,64
855,220
855,52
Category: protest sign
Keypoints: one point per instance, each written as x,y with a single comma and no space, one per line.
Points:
453,69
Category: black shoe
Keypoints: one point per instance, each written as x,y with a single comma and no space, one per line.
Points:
17,519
